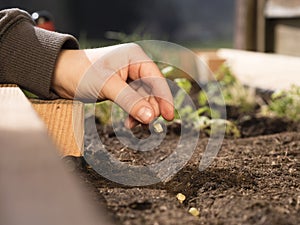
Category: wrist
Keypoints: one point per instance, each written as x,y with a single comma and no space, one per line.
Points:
69,69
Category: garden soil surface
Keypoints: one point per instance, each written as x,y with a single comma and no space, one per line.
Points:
254,179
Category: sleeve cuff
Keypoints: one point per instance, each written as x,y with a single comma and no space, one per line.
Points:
28,55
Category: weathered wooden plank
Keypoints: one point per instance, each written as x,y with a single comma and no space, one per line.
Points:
287,34
262,70
13,105
282,9
64,120
34,185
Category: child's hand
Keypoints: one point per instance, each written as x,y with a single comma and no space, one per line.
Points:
106,73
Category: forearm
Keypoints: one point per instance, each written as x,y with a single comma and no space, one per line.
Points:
28,54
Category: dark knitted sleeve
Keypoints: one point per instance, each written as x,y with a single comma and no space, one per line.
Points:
28,54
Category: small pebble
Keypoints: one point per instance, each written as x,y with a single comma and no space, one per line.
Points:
181,197
163,208
291,170
194,211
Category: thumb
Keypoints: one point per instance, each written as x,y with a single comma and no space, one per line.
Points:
131,101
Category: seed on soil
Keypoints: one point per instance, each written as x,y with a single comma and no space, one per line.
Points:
194,211
181,197
158,128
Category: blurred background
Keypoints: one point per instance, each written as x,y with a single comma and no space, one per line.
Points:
257,25
192,23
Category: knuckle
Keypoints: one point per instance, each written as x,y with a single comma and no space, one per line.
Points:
135,49
134,46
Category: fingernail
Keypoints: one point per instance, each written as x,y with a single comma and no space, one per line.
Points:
145,115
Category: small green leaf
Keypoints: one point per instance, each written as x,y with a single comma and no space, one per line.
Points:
183,83
167,71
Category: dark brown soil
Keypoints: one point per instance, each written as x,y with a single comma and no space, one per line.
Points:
253,180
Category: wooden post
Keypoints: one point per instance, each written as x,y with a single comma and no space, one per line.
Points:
64,120
245,24
34,185
261,26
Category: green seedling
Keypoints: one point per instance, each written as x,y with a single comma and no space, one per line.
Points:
184,84
202,118
285,104
233,92
28,94
197,118
167,71
105,112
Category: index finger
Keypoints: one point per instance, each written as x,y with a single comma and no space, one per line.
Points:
142,67
149,73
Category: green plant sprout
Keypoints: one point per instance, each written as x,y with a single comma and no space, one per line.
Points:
102,111
28,94
285,104
197,117
184,84
199,120
234,93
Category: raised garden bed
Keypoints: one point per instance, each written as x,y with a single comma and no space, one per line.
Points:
255,179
